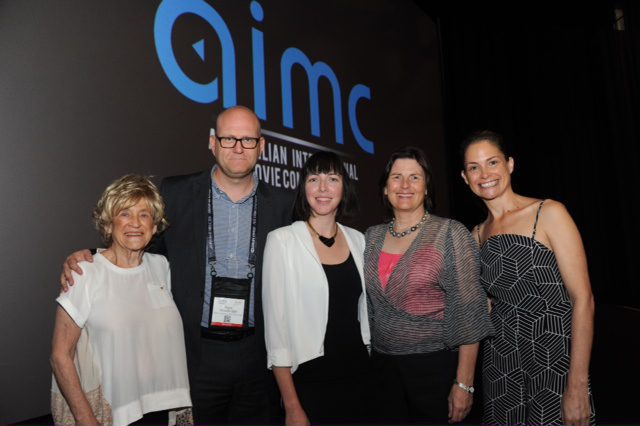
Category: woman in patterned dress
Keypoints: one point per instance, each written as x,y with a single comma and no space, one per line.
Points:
427,309
534,269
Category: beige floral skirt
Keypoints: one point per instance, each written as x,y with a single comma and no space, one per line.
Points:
62,415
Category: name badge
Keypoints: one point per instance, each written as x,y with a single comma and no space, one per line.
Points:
227,312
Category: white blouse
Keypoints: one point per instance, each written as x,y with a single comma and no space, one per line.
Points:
134,334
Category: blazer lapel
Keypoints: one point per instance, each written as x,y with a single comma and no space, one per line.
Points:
200,222
264,223
304,236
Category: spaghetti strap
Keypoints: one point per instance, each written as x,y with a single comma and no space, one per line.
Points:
535,224
478,232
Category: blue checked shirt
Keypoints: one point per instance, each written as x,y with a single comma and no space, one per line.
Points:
232,237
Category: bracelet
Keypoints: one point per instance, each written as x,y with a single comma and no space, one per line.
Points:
464,387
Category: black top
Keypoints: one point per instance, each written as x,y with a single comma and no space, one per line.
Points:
345,354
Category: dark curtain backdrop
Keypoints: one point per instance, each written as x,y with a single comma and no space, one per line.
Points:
562,84
563,87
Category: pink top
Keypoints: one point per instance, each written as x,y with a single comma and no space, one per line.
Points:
387,264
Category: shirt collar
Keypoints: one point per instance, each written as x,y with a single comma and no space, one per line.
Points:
218,192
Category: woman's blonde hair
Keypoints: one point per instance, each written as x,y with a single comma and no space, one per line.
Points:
122,194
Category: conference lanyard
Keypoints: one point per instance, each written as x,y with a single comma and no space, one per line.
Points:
230,297
252,242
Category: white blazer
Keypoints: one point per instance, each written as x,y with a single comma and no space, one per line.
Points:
295,295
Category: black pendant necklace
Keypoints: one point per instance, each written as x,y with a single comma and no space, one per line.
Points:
408,231
324,240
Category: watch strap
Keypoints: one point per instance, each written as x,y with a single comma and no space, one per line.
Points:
464,387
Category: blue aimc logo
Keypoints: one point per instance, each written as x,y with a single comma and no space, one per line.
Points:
170,10
166,16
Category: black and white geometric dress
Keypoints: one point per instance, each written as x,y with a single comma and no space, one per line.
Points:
526,363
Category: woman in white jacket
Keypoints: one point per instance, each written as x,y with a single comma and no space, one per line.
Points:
317,329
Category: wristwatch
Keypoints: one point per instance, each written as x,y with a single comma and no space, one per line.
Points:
462,386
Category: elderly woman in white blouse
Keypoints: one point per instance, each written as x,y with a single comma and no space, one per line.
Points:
118,346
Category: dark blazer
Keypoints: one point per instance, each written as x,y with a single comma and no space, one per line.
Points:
184,244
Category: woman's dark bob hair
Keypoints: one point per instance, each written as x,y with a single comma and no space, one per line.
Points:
325,162
410,152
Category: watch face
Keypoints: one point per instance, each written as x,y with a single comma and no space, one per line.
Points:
469,389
